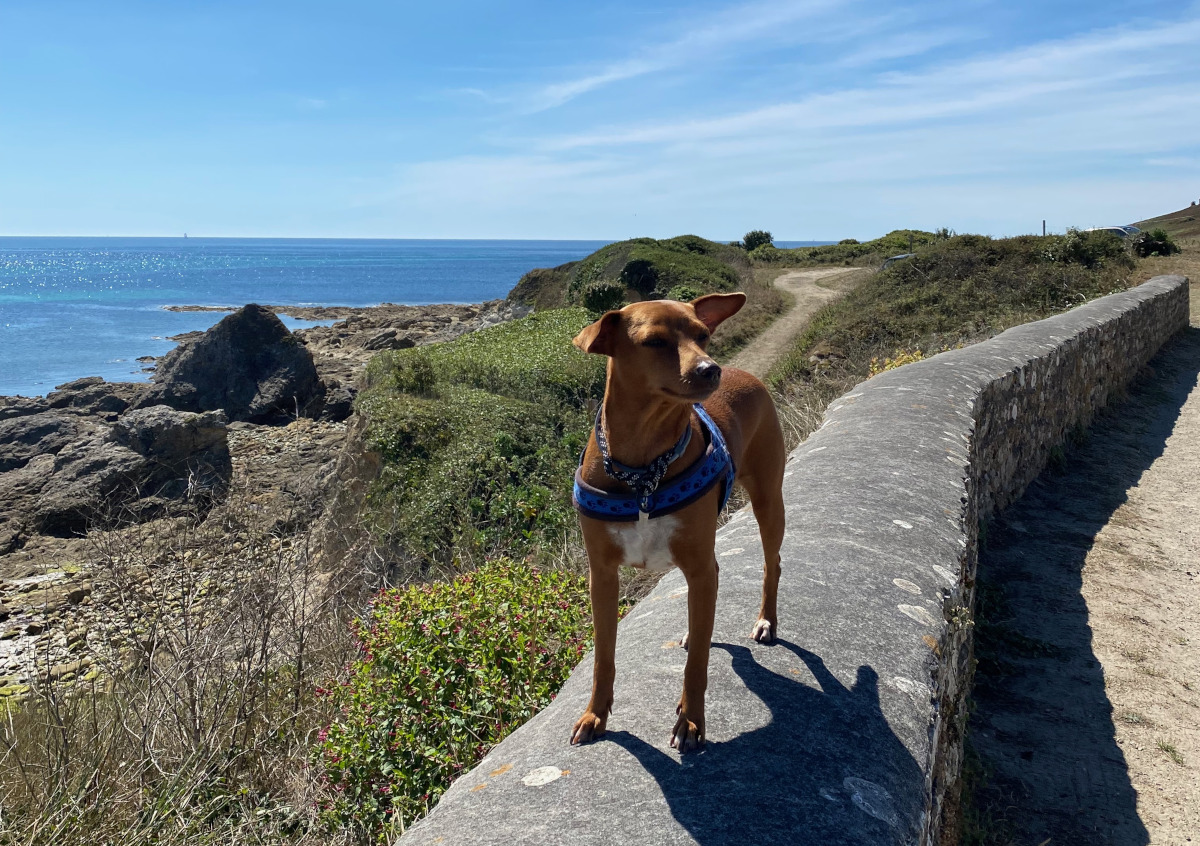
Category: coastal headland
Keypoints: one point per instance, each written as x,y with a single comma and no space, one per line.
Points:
266,484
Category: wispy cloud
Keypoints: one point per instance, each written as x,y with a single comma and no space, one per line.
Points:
767,22
911,44
1036,121
1097,64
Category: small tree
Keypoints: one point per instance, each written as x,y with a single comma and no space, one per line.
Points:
755,238
1156,242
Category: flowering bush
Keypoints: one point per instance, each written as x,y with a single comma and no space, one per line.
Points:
445,671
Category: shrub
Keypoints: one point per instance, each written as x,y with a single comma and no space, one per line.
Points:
641,275
603,296
1156,242
413,374
755,238
683,293
646,266
1092,250
848,251
445,671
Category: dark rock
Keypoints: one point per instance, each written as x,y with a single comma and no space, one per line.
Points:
95,396
21,406
168,436
149,459
78,594
248,365
61,395
389,339
339,402
19,490
22,438
86,473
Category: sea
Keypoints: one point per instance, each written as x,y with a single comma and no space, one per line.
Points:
74,307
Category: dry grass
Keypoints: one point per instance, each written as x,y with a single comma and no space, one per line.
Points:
195,721
956,292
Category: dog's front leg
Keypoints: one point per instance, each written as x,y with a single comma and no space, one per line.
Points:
702,608
604,589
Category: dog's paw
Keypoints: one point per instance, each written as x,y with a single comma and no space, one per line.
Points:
683,642
687,736
763,631
588,728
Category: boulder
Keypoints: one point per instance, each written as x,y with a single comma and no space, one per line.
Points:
249,365
171,437
22,438
21,406
19,491
151,458
339,402
389,339
92,395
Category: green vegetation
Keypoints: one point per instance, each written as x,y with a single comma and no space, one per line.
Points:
445,671
756,238
1156,242
848,252
681,268
479,439
954,291
642,268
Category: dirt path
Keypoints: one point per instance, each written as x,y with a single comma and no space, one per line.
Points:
1087,695
770,346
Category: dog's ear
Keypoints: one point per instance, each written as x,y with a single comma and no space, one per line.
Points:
713,309
598,337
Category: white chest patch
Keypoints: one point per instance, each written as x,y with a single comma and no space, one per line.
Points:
646,543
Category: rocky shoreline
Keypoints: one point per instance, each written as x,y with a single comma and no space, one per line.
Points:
245,406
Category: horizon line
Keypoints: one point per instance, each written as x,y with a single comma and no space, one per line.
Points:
189,237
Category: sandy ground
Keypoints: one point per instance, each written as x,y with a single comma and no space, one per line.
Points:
1087,696
771,345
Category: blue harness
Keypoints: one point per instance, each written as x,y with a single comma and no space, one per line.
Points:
715,466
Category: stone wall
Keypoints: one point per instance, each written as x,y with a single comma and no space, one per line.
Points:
849,729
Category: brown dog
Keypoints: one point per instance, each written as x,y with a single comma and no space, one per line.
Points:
657,370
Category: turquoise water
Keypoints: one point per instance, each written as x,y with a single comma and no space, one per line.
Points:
72,307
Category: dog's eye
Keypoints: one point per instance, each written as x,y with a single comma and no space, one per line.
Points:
657,343
702,338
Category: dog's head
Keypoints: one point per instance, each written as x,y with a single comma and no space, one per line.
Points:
662,344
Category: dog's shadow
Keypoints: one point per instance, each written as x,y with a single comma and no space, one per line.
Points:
826,768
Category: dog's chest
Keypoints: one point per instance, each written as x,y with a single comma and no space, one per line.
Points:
646,543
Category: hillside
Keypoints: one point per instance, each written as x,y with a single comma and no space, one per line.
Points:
680,268
640,268
1184,223
849,252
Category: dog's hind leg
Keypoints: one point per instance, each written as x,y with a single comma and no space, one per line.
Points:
688,732
766,497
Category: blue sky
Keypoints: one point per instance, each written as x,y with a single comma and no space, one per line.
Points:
816,120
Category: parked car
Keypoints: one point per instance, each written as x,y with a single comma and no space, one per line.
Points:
894,259
1121,232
